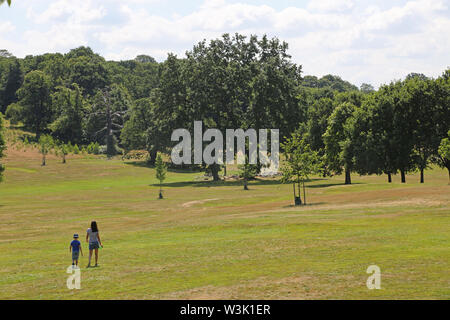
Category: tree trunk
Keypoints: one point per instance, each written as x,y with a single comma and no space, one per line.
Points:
152,157
245,184
64,158
304,194
110,143
389,177
403,176
421,176
43,160
215,172
295,196
448,168
348,178
293,184
225,170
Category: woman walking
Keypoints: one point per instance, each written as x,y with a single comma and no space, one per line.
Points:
93,237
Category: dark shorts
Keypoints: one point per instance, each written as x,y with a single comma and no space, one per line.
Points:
93,245
75,255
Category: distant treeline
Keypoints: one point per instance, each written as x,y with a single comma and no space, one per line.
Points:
231,82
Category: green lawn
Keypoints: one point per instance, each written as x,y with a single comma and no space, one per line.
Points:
208,240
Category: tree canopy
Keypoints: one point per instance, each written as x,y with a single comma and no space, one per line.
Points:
231,82
2,146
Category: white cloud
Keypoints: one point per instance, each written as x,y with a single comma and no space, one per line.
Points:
6,27
362,44
58,38
330,5
61,25
69,11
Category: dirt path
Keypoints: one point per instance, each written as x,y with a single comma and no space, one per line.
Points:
191,203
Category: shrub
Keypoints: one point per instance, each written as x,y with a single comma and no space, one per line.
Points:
93,148
136,155
14,113
102,149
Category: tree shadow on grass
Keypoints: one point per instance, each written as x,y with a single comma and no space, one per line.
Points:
145,164
292,206
224,183
326,185
139,163
227,183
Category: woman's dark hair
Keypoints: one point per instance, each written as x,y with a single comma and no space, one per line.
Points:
94,227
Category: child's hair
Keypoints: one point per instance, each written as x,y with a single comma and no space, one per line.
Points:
94,227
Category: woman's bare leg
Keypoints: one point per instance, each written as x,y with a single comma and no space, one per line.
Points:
90,256
96,256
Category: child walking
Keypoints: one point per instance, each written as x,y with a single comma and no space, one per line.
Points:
75,248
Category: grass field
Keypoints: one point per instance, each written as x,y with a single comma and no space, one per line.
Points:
217,241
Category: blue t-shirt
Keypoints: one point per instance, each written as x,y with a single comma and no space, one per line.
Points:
75,245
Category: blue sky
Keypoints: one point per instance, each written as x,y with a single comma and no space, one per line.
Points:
362,41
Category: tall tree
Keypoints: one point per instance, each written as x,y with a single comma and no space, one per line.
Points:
235,82
69,111
87,69
5,53
133,135
422,106
274,102
140,78
145,130
367,88
444,153
373,135
35,100
404,122
145,59
319,110
338,143
441,94
328,81
169,107
11,79
14,113
57,68
2,146
109,109
415,75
